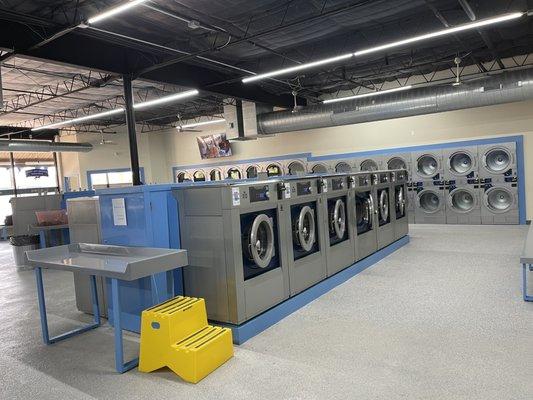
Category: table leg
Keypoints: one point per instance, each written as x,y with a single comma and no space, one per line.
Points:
120,366
42,239
524,283
44,319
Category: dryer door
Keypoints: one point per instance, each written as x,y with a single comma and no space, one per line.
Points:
460,163
369,165
304,228
497,160
384,205
498,199
429,201
260,241
427,166
337,219
462,200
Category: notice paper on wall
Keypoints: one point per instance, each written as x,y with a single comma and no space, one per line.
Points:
119,212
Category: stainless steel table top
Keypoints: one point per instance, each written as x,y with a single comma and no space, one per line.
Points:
121,262
527,253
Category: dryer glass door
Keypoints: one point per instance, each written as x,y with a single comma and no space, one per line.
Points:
429,201
497,160
462,200
498,199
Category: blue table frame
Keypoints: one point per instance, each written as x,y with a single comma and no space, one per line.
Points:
524,281
120,365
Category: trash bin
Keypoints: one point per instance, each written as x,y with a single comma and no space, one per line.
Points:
21,244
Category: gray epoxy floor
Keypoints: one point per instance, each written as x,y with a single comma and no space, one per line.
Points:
442,318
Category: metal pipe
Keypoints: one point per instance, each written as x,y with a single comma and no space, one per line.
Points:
43,146
506,87
132,135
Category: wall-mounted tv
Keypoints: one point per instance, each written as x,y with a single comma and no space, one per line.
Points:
214,146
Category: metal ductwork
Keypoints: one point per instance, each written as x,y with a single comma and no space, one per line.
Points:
43,146
506,87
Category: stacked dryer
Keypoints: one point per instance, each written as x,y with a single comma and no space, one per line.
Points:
499,184
428,186
462,186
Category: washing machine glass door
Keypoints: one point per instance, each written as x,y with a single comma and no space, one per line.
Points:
429,201
304,230
400,201
369,165
337,219
261,241
363,213
384,206
497,160
396,163
462,200
427,166
460,163
498,200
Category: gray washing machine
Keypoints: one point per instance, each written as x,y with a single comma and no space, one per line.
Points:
498,162
461,165
399,192
232,233
366,242
398,161
338,209
430,204
384,201
499,203
319,168
463,204
369,164
296,167
427,166
302,219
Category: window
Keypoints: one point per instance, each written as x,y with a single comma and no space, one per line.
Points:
111,179
274,170
198,176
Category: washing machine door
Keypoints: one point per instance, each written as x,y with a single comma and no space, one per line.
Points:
337,219
369,165
304,229
400,200
462,200
498,199
384,205
497,160
460,163
427,166
396,163
429,201
260,241
363,213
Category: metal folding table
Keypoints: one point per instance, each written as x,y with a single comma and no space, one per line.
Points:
118,263
527,262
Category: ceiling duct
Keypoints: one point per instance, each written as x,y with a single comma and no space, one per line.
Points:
43,146
503,88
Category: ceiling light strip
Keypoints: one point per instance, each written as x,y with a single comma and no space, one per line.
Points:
114,11
443,32
81,119
166,99
194,125
371,94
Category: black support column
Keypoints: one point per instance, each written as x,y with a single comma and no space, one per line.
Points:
130,123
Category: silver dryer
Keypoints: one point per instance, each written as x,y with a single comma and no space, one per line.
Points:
461,165
499,203
430,204
463,204
498,162
427,166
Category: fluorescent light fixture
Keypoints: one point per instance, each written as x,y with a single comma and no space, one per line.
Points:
81,119
115,11
472,25
296,68
194,125
371,94
166,99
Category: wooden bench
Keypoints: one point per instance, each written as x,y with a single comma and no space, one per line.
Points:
527,262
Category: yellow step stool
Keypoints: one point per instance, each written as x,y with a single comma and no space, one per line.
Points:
176,334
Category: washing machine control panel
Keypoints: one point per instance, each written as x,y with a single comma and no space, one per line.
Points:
259,193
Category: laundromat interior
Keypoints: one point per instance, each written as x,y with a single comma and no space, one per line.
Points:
266,199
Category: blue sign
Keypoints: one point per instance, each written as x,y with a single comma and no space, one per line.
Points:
37,172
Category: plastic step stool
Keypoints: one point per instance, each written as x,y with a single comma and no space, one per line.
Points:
176,334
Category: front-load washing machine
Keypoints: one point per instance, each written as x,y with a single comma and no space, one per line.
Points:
427,166
319,168
366,242
461,165
399,161
338,209
463,204
399,211
232,234
498,162
296,167
499,203
430,204
369,164
341,166
384,206
302,217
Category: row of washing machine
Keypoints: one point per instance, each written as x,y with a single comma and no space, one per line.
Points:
252,245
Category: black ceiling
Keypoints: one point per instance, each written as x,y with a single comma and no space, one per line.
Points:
246,35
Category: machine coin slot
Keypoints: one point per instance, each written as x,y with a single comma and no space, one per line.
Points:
304,188
258,194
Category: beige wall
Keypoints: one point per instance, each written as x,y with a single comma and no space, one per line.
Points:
160,151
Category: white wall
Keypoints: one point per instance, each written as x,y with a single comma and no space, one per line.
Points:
162,150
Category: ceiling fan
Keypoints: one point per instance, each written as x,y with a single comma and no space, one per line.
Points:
181,129
103,141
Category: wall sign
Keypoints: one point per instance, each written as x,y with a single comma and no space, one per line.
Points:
36,172
119,212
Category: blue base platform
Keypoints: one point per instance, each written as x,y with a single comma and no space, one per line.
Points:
247,330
